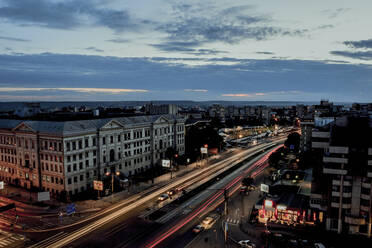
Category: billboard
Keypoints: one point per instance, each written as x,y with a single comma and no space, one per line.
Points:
98,185
166,163
43,196
264,188
204,150
213,151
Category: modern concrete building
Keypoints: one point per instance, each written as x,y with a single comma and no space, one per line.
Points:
65,157
343,190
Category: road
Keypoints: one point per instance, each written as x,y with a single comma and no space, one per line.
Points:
170,235
121,220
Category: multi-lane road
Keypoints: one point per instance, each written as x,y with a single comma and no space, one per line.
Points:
121,226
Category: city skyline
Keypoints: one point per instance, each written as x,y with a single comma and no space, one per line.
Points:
185,50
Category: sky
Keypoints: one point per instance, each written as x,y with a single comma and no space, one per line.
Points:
254,50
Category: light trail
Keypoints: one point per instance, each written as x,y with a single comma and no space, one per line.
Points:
258,164
123,208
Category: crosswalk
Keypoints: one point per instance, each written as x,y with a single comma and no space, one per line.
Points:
11,239
233,221
48,242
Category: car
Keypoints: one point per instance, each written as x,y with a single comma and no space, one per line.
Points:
198,229
163,197
246,243
319,245
292,243
208,222
171,192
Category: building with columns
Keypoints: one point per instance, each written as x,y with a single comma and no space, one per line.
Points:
65,157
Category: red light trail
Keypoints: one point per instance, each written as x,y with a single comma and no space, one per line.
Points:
260,164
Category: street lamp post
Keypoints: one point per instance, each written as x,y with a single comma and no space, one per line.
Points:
112,182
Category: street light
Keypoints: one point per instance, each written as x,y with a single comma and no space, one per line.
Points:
112,180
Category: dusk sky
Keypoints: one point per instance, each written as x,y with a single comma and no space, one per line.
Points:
254,50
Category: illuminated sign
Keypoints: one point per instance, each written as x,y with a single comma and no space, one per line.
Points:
281,207
268,203
166,163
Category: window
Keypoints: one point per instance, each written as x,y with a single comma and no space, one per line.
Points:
74,145
75,179
104,140
68,168
81,178
80,156
87,163
87,174
111,139
81,165
80,144
74,167
94,153
86,143
94,141
69,180
119,138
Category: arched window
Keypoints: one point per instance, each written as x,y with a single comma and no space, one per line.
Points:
112,155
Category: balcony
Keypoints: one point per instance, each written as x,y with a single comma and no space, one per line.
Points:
318,134
364,208
353,220
338,182
346,195
336,205
335,160
339,149
335,171
365,197
366,185
319,145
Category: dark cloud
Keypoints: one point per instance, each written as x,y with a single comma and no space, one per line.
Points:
333,13
118,40
326,26
186,48
359,44
268,53
334,80
13,39
363,55
94,49
228,25
64,15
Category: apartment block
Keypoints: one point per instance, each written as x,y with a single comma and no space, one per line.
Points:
345,194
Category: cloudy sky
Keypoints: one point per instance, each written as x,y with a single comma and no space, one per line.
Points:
53,50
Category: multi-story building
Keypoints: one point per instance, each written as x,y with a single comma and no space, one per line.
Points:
343,189
163,109
65,157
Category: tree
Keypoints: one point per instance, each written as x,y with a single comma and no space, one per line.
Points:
293,139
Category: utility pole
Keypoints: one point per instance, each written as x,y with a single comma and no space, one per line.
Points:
226,195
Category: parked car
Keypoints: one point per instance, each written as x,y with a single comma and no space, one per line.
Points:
163,197
198,229
246,243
